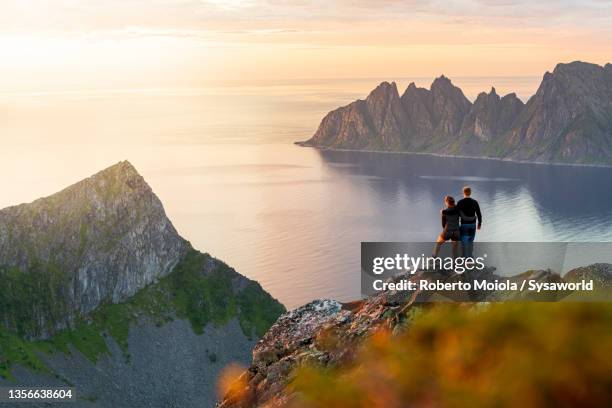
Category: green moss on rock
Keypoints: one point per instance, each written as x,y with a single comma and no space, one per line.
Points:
200,289
15,350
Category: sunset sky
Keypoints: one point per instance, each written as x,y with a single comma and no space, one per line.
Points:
93,44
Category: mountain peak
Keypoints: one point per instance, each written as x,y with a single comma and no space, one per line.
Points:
386,84
441,81
121,172
108,233
575,66
384,88
578,72
483,96
413,90
122,167
511,95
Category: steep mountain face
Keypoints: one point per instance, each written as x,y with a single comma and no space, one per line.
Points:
568,120
329,334
386,115
487,121
433,116
100,292
378,122
448,107
108,236
417,104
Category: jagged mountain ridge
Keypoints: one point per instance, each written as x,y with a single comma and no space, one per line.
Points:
568,120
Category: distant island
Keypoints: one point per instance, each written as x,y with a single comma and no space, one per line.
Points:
568,120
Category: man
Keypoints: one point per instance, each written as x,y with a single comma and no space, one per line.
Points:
471,220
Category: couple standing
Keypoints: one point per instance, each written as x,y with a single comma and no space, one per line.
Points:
460,222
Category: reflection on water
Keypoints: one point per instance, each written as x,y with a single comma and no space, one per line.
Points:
522,202
292,218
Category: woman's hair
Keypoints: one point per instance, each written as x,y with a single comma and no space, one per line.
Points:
450,201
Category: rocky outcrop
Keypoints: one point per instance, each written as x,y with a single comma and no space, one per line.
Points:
568,120
299,337
600,273
328,333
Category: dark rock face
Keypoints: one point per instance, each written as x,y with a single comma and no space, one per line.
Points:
448,107
569,120
487,121
378,122
436,113
417,104
108,234
386,115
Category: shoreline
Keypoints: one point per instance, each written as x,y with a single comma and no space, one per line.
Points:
455,156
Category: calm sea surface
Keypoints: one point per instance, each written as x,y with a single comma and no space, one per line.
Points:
223,163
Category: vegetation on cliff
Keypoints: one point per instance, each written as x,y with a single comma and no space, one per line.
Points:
533,354
201,289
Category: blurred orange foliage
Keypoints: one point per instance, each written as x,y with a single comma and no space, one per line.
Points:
501,355
232,382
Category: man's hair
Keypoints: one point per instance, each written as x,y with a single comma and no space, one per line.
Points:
450,201
467,191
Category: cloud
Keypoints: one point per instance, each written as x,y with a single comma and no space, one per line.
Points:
313,23
82,15
188,41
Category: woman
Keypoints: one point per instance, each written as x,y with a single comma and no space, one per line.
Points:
450,225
